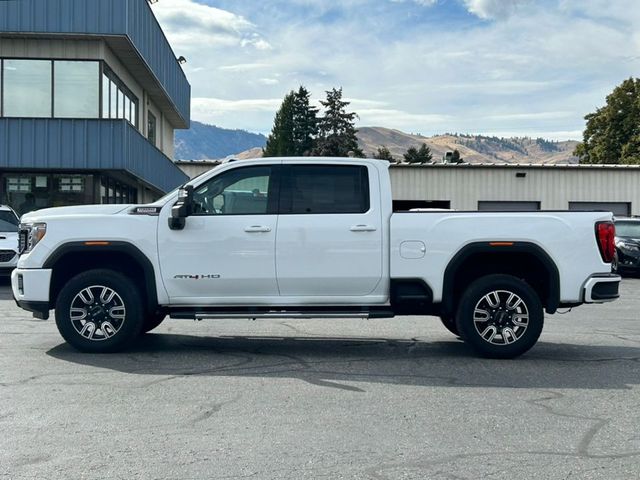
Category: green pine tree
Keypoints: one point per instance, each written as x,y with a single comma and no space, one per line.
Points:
421,155
336,129
383,153
281,139
612,134
305,123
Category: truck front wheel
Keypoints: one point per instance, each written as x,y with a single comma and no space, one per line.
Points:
500,316
153,320
99,311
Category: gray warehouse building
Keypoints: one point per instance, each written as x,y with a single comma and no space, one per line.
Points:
614,188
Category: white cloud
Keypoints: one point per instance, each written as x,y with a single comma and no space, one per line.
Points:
536,73
399,119
190,24
531,116
490,9
268,81
250,114
218,105
243,67
424,3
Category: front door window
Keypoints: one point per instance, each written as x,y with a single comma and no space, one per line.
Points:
242,191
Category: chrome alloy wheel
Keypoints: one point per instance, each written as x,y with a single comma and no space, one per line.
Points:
501,317
97,313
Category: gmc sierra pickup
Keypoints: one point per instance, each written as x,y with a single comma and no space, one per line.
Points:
303,237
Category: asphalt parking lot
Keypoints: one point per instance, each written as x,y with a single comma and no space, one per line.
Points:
371,399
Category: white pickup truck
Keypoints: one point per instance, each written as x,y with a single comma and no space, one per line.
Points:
307,237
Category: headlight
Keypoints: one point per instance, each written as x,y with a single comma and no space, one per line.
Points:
30,235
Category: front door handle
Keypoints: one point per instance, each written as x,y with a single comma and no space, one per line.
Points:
257,229
363,228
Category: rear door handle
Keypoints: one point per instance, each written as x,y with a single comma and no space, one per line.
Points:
363,228
257,229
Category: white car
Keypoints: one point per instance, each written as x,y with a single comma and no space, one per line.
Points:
9,222
308,237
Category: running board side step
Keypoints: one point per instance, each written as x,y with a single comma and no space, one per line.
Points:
187,314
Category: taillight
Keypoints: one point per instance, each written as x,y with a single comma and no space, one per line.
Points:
606,237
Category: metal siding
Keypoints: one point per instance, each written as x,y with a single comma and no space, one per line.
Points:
62,144
553,186
131,18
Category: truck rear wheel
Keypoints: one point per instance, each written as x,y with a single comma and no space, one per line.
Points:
99,311
450,324
500,316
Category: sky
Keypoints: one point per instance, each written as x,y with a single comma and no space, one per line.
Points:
495,67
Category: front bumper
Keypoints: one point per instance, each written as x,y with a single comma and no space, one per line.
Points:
602,288
31,290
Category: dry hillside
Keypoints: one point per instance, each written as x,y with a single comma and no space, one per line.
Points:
473,148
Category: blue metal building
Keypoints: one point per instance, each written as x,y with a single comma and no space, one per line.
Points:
90,95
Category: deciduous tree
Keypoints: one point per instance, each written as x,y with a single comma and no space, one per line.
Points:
612,134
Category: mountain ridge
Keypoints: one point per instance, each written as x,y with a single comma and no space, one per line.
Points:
208,142
472,148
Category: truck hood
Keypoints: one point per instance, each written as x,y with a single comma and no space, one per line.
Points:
43,214
9,241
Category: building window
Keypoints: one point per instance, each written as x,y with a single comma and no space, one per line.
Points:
117,100
115,192
76,89
151,128
33,191
19,184
106,97
71,184
26,89
64,89
47,88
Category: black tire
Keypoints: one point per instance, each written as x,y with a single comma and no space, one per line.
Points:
450,324
513,324
153,320
110,322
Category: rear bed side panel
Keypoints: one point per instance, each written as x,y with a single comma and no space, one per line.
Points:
568,238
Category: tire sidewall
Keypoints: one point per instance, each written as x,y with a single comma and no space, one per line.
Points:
451,325
152,321
485,285
122,286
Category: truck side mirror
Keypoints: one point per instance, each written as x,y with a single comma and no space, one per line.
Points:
182,209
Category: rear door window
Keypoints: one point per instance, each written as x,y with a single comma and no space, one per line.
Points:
325,189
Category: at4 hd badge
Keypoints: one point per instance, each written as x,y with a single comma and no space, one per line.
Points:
196,277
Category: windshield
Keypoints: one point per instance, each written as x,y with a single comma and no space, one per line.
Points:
628,229
8,222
